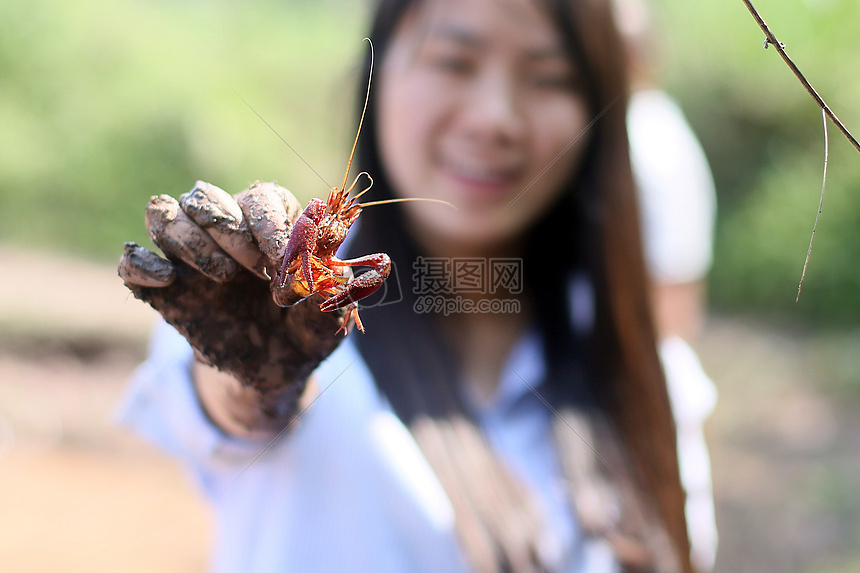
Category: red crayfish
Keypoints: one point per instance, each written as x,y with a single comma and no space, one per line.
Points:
310,265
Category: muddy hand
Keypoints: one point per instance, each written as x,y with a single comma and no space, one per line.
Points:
213,286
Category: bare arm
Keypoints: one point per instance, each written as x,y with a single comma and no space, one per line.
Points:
237,409
679,309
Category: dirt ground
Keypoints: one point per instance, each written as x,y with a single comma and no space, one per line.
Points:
77,493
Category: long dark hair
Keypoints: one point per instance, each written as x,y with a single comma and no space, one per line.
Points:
607,382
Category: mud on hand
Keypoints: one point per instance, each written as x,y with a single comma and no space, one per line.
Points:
214,285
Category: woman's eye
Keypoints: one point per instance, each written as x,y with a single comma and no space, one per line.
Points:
453,64
553,81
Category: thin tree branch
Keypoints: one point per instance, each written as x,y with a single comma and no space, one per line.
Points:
780,47
820,205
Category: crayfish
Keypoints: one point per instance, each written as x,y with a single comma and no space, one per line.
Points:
310,265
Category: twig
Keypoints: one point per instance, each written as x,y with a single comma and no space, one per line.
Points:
820,203
780,47
275,131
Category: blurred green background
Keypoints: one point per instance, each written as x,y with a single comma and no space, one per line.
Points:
764,137
103,104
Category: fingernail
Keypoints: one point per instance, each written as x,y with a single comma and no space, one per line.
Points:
141,267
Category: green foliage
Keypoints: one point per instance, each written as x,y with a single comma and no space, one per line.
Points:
764,136
103,104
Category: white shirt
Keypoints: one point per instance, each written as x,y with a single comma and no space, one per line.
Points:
349,489
676,189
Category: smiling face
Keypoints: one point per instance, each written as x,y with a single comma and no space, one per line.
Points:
479,106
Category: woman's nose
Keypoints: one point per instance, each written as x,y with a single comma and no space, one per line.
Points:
494,109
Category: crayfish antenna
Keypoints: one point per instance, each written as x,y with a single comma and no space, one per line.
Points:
361,119
404,200
363,191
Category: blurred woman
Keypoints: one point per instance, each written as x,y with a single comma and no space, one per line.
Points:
531,434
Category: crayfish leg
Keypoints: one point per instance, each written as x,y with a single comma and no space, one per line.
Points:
348,319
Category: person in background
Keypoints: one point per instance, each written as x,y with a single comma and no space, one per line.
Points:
534,437
678,204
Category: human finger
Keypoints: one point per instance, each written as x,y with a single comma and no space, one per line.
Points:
178,236
139,266
216,211
270,211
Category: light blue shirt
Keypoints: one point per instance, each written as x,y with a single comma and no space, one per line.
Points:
349,489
